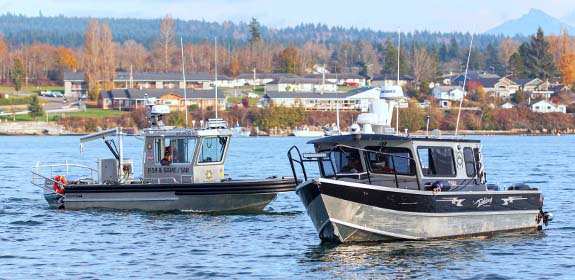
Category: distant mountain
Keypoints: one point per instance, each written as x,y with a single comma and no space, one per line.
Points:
528,24
569,19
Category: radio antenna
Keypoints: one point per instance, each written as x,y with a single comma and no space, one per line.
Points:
464,82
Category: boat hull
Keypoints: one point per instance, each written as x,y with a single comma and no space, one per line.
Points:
241,195
351,212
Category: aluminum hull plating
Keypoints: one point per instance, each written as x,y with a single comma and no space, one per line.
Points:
348,212
245,195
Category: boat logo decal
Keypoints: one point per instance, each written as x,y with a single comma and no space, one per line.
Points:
486,201
511,199
209,175
459,159
454,201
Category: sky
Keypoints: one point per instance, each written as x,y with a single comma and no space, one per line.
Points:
407,15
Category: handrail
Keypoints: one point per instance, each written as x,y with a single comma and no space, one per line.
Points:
392,159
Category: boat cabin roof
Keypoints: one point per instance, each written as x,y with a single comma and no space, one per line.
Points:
383,137
186,132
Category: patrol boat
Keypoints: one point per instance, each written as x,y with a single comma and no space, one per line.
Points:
377,185
183,169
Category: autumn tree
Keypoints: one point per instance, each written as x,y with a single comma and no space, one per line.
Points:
413,117
92,61
287,60
506,49
18,74
3,59
106,51
567,68
234,68
167,40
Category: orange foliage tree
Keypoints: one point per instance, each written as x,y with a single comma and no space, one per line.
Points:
567,68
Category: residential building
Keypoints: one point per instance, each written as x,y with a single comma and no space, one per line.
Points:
447,94
301,85
545,106
473,76
507,105
75,85
357,99
129,99
391,80
259,79
341,79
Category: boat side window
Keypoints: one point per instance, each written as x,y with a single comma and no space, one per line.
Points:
388,160
212,149
174,150
436,161
345,161
469,158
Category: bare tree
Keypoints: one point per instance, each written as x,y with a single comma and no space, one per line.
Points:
424,65
106,51
167,40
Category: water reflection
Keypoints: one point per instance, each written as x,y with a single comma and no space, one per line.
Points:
410,258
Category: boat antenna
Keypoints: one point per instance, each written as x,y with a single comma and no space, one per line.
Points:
398,50
184,77
216,72
464,81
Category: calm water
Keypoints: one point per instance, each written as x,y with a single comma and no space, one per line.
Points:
279,243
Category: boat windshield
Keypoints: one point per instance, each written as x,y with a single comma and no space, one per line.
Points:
212,149
388,160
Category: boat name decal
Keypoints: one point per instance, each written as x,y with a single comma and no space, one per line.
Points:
158,170
486,201
511,199
454,201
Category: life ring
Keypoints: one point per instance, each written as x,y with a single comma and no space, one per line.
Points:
59,182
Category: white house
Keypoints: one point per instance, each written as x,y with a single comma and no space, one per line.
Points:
301,85
545,106
357,99
391,80
447,94
507,105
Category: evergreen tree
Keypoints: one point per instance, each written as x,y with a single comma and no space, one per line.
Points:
35,108
18,75
443,53
255,31
516,64
390,60
492,61
453,52
537,59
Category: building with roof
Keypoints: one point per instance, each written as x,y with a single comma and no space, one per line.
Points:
391,80
447,94
353,80
76,86
260,79
301,85
545,106
473,76
356,100
129,99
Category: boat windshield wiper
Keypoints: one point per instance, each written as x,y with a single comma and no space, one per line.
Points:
112,146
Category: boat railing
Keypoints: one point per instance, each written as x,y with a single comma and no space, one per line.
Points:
298,160
43,175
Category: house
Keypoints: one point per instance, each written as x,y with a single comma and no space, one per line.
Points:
545,106
507,105
76,86
259,79
473,76
301,85
447,94
534,88
391,80
356,100
129,99
354,80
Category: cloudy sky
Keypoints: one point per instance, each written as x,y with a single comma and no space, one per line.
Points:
432,15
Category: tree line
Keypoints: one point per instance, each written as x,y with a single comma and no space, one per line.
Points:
423,55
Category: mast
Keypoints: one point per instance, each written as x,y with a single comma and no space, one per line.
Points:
184,77
216,73
464,81
397,111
